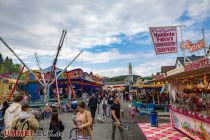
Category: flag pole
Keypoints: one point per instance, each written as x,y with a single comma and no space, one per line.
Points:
204,38
182,43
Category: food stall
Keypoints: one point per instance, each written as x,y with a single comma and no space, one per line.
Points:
189,92
149,92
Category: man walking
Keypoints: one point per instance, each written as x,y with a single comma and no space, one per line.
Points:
92,104
116,117
110,101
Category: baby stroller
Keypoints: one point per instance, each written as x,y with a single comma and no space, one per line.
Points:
76,137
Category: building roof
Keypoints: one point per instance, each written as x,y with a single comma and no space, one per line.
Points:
192,58
8,75
165,69
46,70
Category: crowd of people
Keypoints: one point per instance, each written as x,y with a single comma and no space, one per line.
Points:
19,115
110,103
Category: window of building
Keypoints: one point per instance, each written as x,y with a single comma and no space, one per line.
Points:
10,87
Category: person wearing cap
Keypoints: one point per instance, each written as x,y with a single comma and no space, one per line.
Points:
12,111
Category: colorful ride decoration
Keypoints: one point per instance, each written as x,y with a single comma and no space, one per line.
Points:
79,80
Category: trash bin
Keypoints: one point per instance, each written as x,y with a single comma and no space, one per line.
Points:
154,119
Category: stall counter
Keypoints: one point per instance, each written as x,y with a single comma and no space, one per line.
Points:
196,127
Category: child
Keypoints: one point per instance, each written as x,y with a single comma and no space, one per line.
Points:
47,110
104,105
132,113
56,126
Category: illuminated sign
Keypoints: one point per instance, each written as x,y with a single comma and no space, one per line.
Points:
201,63
193,47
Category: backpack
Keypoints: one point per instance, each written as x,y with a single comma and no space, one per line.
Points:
57,127
24,123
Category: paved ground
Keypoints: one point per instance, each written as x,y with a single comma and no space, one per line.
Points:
102,131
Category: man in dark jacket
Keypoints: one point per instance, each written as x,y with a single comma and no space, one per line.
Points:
92,104
110,101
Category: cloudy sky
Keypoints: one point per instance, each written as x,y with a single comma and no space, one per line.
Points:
112,33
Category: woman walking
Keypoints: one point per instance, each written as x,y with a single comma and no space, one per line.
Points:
84,121
104,106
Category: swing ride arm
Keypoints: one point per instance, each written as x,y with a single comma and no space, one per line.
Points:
15,85
57,54
20,60
39,66
66,67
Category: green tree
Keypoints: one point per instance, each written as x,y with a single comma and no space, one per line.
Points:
8,67
10,61
1,59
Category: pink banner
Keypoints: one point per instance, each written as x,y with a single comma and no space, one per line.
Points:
201,63
164,39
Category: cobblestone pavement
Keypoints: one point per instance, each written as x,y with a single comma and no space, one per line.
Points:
101,131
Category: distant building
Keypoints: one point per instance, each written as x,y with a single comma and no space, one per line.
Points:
6,86
7,82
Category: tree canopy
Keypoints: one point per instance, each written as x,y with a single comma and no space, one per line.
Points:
7,66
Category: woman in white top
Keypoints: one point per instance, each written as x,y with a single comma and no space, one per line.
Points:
104,106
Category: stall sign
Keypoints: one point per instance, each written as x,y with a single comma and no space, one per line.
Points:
159,77
193,127
201,63
193,47
75,74
164,39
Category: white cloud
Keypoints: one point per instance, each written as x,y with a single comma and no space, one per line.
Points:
91,23
111,72
95,57
199,9
107,56
153,66
32,26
